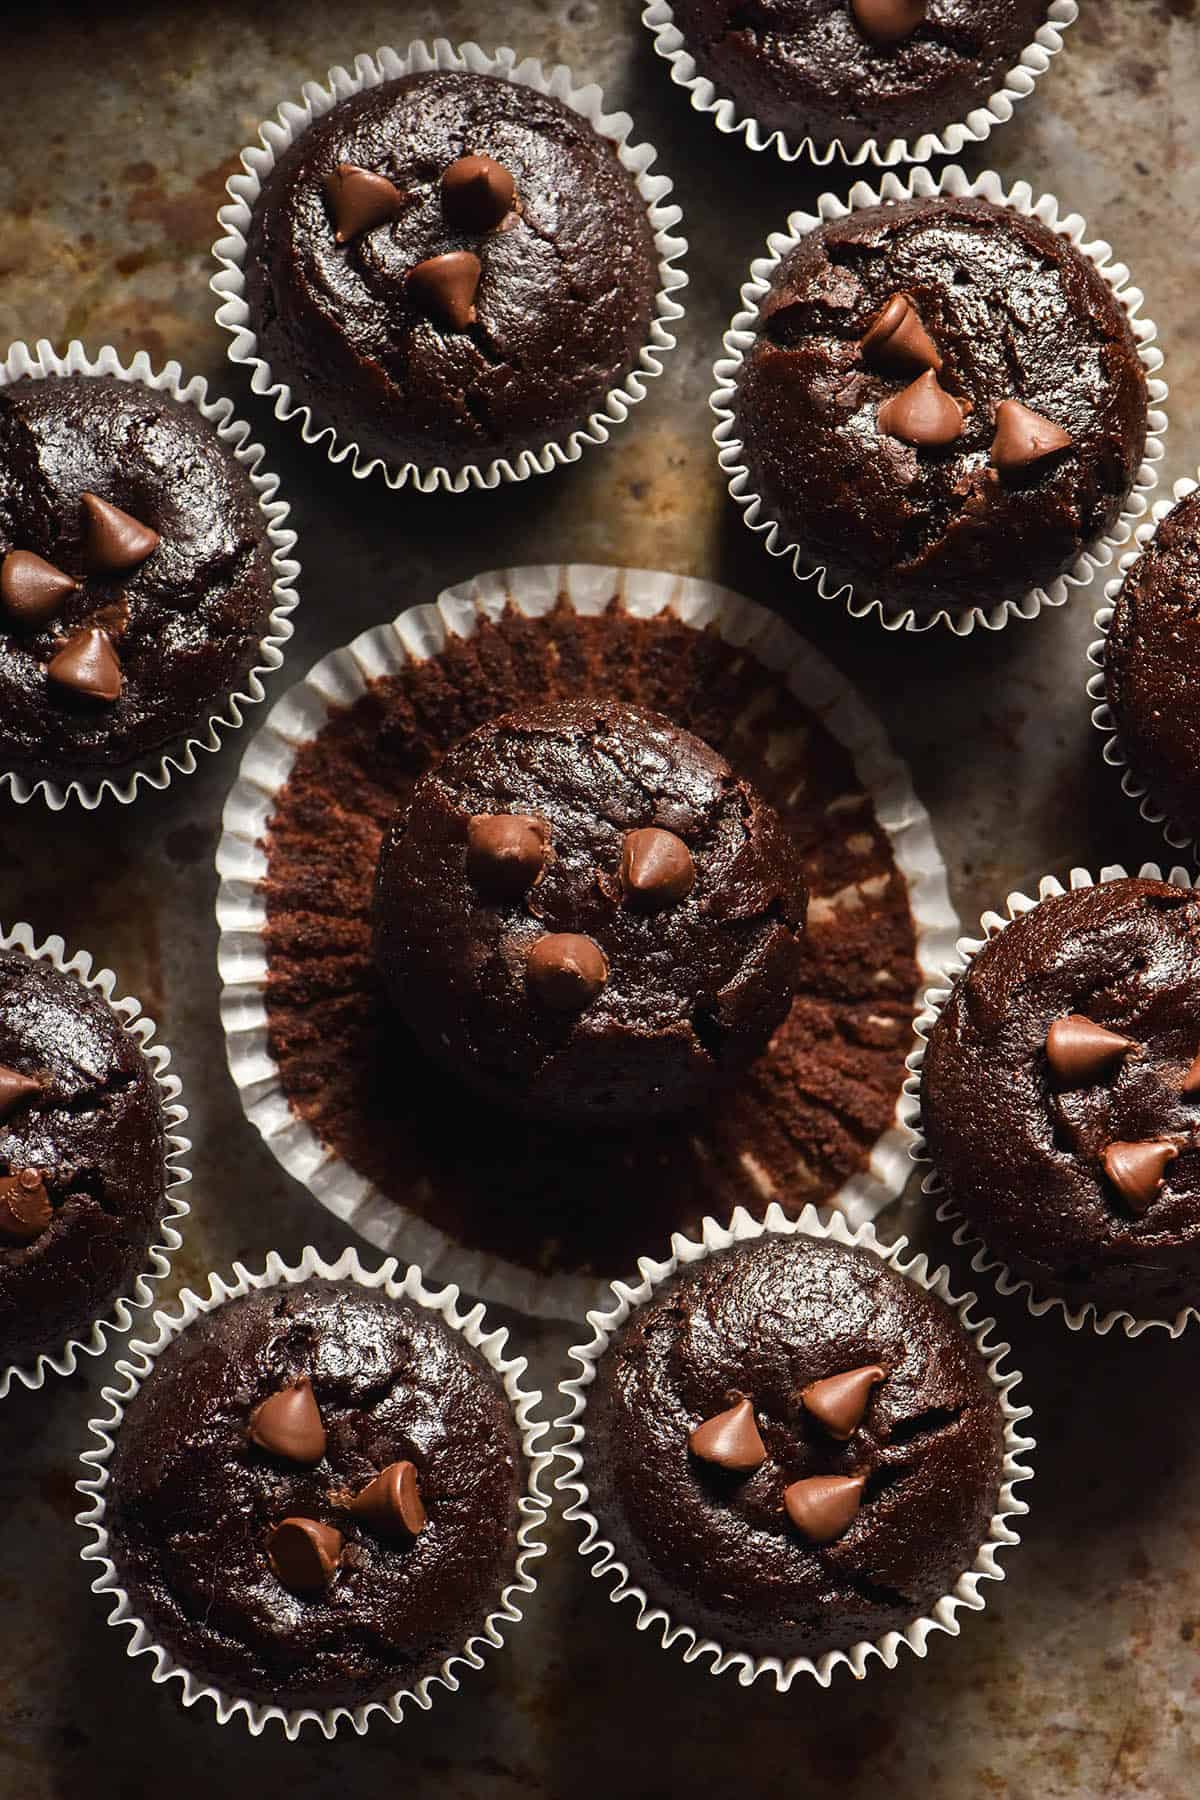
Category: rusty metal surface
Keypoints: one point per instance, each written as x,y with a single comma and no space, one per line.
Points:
1082,1680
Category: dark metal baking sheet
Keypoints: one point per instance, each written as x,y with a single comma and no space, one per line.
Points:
1082,1680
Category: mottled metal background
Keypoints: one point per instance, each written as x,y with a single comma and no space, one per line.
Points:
118,130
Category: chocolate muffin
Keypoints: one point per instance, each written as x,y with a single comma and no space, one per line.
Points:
450,268
858,70
944,404
1152,664
583,912
82,1149
314,1495
1060,1097
792,1448
135,580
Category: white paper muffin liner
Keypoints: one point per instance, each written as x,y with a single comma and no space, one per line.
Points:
741,337
606,1565
292,120
1179,836
158,770
337,681
532,1506
1019,83
175,1208
983,1261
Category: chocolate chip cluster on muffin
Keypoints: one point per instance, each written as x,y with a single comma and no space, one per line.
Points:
314,1495
1152,664
450,268
944,404
1060,1096
135,574
82,1148
583,912
792,1448
852,71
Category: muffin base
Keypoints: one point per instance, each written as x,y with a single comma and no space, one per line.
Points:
533,1504
942,1616
1079,1315
403,1155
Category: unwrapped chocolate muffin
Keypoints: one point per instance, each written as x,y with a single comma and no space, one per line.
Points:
583,912
451,268
943,406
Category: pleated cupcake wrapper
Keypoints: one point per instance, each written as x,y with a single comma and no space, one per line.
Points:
158,770
133,1371
983,1261
421,633
1019,83
158,1257
605,1564
742,335
291,121
1178,835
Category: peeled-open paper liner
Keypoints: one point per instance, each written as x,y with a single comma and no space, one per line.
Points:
423,632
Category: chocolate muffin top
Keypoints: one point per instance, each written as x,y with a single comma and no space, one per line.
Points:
792,1448
944,404
135,581
442,314
289,1406
584,912
1152,664
840,69
1060,1100
82,1173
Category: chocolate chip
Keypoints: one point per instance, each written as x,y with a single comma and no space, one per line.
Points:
839,1401
1190,1084
888,21
288,1424
656,869
1136,1170
506,853
477,193
115,540
897,340
822,1506
1080,1052
1024,437
731,1439
923,414
87,663
31,588
304,1554
360,200
14,1089
444,287
25,1209
566,971
391,1503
